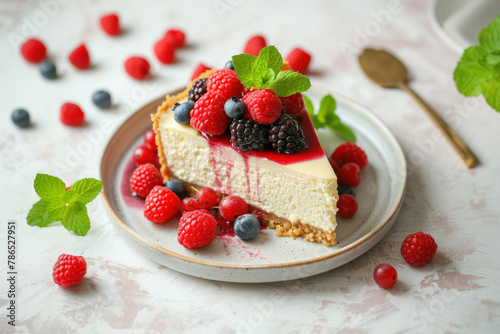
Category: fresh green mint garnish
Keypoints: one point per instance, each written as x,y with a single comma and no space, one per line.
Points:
478,72
326,117
67,206
263,72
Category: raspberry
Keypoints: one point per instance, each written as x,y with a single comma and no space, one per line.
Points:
246,90
137,67
201,68
254,45
299,60
72,114
286,135
348,205
293,104
226,83
110,24
150,140
161,205
349,174
418,248
249,135
79,57
198,89
263,106
143,155
144,179
33,50
231,207
69,270
176,37
196,229
350,152
165,51
385,275
208,114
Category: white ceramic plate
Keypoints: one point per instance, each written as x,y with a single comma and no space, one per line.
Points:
265,258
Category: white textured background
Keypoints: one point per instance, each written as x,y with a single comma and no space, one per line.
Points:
458,292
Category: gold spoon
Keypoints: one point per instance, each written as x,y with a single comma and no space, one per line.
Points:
387,71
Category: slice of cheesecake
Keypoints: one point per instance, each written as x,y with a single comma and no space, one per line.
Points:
297,193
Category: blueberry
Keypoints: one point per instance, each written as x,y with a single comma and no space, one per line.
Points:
48,69
177,188
229,65
182,112
102,99
235,108
21,118
345,189
246,226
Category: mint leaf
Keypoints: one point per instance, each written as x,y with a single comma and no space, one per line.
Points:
58,209
491,91
288,83
48,187
469,73
77,219
326,108
243,65
38,215
491,61
344,131
268,63
83,191
310,110
489,37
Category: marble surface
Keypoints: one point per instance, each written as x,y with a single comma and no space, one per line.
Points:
458,292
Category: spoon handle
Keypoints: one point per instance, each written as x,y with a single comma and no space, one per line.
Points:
465,153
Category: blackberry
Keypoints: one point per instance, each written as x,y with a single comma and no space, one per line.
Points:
286,135
249,135
198,89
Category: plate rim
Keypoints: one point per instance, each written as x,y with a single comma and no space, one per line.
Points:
387,219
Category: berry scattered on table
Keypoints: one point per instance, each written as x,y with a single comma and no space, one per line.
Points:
350,152
349,174
208,114
226,83
72,114
347,205
293,104
287,135
249,135
110,24
196,229
199,70
246,226
80,57
418,248
33,50
164,51
346,189
137,67
161,205
189,204
198,89
263,106
143,155
229,65
177,187
235,108
150,140
385,275
21,118
102,99
254,45
144,179
232,206
182,112
176,37
207,198
48,69
299,60
69,270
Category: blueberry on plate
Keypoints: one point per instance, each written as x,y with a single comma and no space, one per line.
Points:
102,99
177,187
182,112
346,189
235,108
48,69
246,226
21,118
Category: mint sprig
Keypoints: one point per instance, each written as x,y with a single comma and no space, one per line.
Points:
58,204
263,72
478,71
326,117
